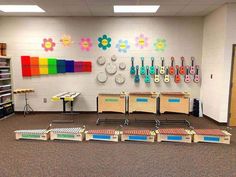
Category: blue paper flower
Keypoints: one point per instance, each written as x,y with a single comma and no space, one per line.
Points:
104,42
122,45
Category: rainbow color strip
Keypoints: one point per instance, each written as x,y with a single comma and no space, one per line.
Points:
35,66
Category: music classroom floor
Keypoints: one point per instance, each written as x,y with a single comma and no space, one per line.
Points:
30,158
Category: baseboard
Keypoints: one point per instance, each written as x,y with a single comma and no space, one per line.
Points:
213,120
54,112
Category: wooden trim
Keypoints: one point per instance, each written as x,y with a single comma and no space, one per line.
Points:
230,88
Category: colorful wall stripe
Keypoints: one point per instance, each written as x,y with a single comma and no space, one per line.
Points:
35,66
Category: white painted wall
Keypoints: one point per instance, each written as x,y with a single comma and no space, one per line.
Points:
24,37
213,49
219,35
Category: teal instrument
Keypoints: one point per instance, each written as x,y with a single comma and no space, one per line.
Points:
142,69
147,77
152,67
136,78
132,68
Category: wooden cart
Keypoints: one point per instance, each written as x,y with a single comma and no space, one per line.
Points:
174,102
111,103
143,102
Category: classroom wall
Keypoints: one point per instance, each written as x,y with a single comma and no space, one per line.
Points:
213,51
219,35
24,36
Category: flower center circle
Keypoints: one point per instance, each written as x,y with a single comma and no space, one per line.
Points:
104,42
48,45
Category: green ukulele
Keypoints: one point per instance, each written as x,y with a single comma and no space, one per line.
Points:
147,76
142,69
152,67
136,77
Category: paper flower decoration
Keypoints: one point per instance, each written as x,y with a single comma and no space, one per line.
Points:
104,42
66,40
160,45
122,46
48,44
141,41
85,44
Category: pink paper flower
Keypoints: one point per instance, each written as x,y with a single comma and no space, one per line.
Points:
48,44
85,44
141,41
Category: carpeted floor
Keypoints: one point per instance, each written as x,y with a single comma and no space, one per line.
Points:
27,158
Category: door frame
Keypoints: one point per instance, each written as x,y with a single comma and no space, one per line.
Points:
231,80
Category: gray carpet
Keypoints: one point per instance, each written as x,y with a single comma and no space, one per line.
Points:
103,159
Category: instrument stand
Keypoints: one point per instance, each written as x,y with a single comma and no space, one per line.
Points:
176,122
27,107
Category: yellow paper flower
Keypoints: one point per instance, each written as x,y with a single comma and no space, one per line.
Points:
66,40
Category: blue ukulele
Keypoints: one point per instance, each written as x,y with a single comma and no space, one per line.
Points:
132,68
147,76
136,77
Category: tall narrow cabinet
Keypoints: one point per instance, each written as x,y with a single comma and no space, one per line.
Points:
6,97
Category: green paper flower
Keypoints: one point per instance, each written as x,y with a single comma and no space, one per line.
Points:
160,45
104,42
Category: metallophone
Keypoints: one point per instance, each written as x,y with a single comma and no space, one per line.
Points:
27,107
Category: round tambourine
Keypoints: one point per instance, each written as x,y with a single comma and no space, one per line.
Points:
119,79
113,58
122,66
101,60
102,77
111,68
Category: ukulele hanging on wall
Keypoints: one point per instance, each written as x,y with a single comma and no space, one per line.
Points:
132,68
187,78
182,67
177,76
167,76
136,77
196,75
147,77
172,68
152,67
157,76
162,69
142,69
192,68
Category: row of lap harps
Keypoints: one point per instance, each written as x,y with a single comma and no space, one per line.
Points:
35,66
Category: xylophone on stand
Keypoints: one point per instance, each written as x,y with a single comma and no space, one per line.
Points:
138,135
211,136
111,103
102,135
174,135
144,102
66,97
74,134
175,102
27,107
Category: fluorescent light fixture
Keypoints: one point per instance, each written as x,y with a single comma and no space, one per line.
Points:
136,9
20,8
